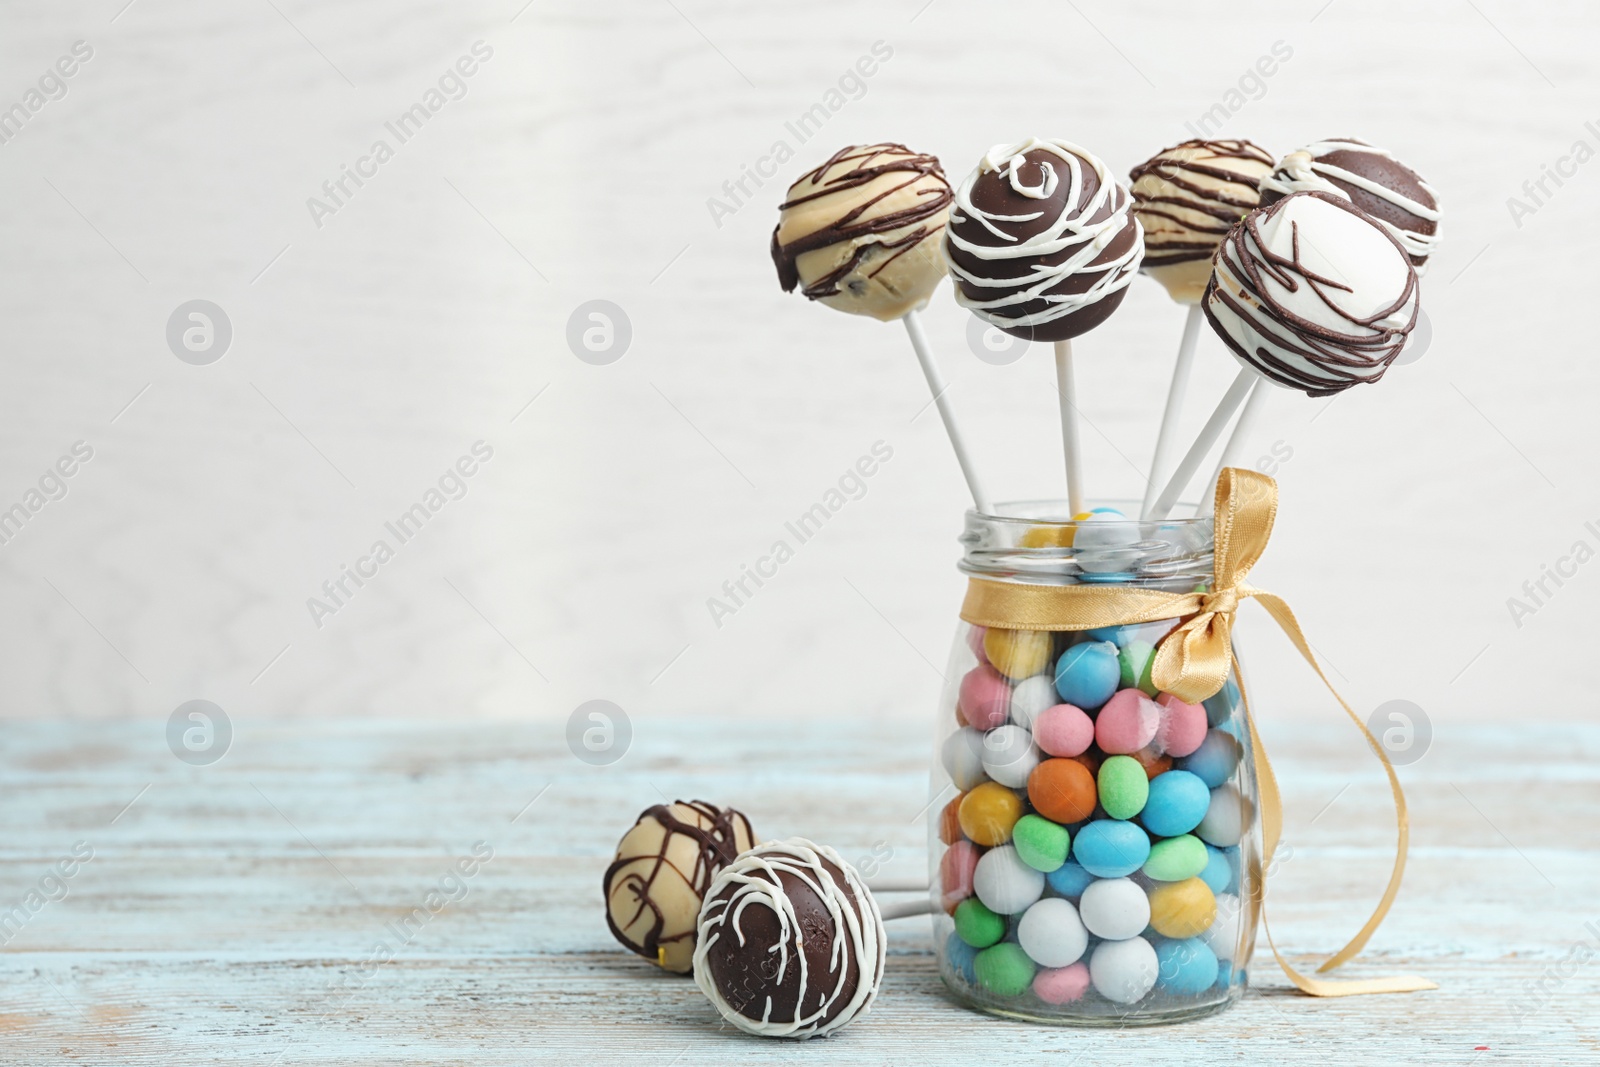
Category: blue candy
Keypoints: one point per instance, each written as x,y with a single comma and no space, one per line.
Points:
1114,634
1220,706
1220,873
1069,880
1111,848
960,956
1214,761
1087,674
1188,966
1226,976
1178,801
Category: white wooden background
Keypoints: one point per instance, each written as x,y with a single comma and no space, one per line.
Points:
227,910
425,314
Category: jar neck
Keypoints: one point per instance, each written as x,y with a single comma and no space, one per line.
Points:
1034,542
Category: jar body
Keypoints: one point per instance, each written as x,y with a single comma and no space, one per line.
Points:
1094,845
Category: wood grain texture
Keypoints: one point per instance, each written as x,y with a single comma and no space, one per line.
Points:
235,912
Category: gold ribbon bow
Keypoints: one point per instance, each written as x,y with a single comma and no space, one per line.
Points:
1192,663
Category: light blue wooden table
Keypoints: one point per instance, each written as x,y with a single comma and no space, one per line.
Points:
294,902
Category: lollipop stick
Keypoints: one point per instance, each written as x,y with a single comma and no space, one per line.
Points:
1166,438
936,386
1242,432
901,909
1209,434
899,885
1068,392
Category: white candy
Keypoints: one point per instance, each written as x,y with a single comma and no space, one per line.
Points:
1004,884
1101,543
1009,755
1115,908
1051,933
962,756
1123,971
1223,936
1033,695
1225,819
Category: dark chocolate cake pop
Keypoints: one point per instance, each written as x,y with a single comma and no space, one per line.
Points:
662,870
791,942
1041,242
1371,179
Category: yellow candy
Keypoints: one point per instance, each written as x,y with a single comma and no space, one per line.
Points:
1182,909
1017,654
1050,536
988,813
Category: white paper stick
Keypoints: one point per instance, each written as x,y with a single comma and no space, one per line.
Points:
941,400
1167,436
899,885
1068,392
1209,435
903,909
1242,431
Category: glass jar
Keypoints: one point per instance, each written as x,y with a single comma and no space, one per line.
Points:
1094,845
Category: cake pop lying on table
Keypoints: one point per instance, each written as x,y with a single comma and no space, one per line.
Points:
861,234
1042,245
663,866
791,943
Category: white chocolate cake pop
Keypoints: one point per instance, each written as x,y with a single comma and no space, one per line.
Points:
1313,294
861,232
663,867
1187,198
1370,178
1042,243
791,943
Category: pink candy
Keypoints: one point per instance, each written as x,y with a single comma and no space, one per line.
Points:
1128,722
985,698
1166,726
1063,731
1183,726
1061,985
956,869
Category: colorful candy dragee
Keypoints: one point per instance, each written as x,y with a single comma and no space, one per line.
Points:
1092,859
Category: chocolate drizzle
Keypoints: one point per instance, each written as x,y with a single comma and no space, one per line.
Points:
856,221
1189,196
1285,337
717,834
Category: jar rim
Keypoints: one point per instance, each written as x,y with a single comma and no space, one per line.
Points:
1046,511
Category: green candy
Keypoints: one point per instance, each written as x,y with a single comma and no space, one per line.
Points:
1176,859
1041,844
1005,969
1136,660
1124,787
980,927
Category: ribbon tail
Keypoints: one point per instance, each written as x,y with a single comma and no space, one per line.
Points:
1284,617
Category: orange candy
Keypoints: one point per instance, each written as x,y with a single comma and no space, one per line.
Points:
1062,790
1152,763
988,812
950,821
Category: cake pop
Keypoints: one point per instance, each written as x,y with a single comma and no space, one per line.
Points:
1309,293
791,943
1042,245
662,869
1187,197
862,233
1371,179
1042,242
